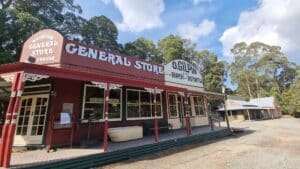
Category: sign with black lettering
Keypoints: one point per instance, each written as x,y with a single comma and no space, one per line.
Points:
180,72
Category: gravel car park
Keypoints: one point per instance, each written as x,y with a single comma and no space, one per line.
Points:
263,144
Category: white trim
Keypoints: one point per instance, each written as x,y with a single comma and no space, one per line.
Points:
33,77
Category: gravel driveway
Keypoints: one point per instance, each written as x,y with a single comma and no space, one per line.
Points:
269,144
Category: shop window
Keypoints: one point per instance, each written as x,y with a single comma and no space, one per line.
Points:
140,104
198,105
93,103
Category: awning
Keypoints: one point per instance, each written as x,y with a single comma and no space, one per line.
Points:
81,75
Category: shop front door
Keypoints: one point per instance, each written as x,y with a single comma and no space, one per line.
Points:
31,120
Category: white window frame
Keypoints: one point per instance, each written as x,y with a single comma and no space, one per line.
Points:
102,119
139,105
194,106
177,108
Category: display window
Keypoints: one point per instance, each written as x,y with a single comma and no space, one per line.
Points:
140,104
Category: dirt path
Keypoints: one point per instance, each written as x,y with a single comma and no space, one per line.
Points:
270,144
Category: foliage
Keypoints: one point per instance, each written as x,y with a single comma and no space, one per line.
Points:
102,32
142,48
213,71
291,97
171,48
260,70
21,18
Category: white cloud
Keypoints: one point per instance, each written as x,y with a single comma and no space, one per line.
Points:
139,15
273,22
195,32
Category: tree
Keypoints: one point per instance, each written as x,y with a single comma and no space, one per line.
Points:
102,32
258,70
142,48
21,18
212,70
171,47
291,98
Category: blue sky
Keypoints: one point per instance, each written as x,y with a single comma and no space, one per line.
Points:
215,25
225,14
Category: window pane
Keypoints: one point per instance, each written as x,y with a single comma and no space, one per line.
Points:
145,98
94,94
114,111
173,111
132,96
158,110
172,99
132,110
146,110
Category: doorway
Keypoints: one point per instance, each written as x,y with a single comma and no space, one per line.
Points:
31,120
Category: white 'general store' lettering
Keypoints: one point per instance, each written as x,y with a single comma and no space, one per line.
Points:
114,59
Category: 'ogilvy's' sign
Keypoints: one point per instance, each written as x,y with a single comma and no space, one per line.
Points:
183,73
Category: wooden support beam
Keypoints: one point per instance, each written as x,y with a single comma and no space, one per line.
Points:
106,110
12,126
8,116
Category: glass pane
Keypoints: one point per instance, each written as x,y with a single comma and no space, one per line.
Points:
29,101
42,118
94,94
132,110
173,111
26,120
115,96
19,130
22,111
23,102
158,110
35,120
24,131
114,111
37,110
38,101
132,96
20,121
172,99
43,110
146,110
40,130
145,98
28,109
158,99
44,102
33,130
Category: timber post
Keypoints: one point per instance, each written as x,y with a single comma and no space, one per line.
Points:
12,126
155,117
9,112
106,109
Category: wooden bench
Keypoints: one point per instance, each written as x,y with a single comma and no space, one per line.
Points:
148,126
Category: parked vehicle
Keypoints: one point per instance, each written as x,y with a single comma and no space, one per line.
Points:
297,114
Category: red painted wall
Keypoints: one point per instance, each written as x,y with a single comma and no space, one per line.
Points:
70,91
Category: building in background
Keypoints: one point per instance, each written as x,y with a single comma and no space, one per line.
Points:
254,109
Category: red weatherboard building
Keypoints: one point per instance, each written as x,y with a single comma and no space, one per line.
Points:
59,86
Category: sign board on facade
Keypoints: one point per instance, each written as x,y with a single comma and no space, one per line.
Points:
180,72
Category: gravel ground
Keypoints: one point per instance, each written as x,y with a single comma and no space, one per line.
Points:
269,144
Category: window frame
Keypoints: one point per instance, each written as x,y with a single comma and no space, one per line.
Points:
139,106
202,106
102,119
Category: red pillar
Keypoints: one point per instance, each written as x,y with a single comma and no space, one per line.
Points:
106,109
8,117
12,126
155,117
187,116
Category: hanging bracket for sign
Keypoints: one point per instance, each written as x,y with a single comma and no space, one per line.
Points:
8,78
151,90
33,77
103,85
